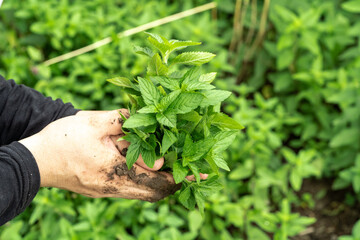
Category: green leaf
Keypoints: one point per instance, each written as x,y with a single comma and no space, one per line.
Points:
210,160
121,81
213,97
148,156
195,221
34,53
144,51
346,137
149,92
351,6
132,154
199,86
192,116
131,137
195,170
208,77
224,140
193,58
195,151
179,172
166,119
156,67
210,186
188,146
186,102
166,82
284,59
224,121
295,179
168,140
140,120
168,99
192,75
178,45
220,162
148,109
356,230
240,173
155,36
187,198
289,155
200,200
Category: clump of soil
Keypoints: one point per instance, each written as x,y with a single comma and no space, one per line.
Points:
334,217
159,183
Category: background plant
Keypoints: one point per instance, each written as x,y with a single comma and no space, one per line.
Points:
296,90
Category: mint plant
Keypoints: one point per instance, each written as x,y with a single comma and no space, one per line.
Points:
175,114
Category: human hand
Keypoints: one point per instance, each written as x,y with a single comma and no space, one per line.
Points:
80,153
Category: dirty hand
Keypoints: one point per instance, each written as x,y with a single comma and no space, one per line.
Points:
80,153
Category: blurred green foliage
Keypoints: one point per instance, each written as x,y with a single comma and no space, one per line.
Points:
297,91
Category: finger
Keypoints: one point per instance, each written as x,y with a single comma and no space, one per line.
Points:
110,122
157,165
203,176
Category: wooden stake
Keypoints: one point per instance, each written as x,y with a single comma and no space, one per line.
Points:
130,32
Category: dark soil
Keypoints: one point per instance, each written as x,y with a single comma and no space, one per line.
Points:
159,183
334,217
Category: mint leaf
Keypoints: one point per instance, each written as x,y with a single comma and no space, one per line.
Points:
193,58
224,140
187,198
187,149
168,99
210,186
191,117
166,119
140,120
191,81
148,109
178,45
208,77
148,156
156,67
179,172
195,151
169,83
200,200
192,75
210,160
121,82
213,97
199,86
150,93
220,162
155,37
224,121
144,51
195,170
132,154
186,102
168,140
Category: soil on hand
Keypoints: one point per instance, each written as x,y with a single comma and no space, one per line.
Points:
160,184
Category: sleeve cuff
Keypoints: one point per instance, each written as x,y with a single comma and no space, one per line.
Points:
30,173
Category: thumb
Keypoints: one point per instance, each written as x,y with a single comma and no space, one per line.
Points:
111,122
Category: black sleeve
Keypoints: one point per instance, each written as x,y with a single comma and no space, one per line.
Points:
23,112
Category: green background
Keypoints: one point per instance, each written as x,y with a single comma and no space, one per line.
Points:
295,79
